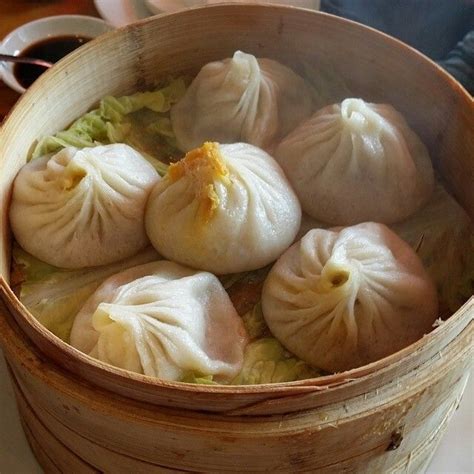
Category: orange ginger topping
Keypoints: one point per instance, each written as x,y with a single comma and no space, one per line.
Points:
204,166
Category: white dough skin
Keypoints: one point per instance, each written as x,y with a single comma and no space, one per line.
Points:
82,208
241,99
163,320
339,299
239,218
355,162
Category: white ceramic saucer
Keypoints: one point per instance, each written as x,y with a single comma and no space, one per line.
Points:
29,33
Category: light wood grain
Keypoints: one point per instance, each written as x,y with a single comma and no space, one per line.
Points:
340,422
254,400
354,435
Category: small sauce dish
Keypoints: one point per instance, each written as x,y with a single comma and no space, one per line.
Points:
22,41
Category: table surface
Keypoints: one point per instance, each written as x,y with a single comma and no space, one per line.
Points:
455,453
14,13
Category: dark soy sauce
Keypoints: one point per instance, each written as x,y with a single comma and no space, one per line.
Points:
50,49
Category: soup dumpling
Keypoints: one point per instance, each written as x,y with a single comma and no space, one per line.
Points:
82,208
354,162
163,320
344,297
224,209
241,99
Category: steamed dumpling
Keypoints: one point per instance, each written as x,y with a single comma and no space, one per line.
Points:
81,208
164,320
224,209
241,99
342,298
354,162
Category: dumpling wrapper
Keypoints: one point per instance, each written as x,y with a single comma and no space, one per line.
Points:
163,320
355,162
224,209
241,99
83,208
343,298
442,235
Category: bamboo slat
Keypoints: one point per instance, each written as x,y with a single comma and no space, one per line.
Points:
384,417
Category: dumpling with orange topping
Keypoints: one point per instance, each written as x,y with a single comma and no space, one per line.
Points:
224,209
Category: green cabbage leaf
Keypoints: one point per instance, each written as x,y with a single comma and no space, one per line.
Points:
140,120
255,324
191,377
267,361
54,296
114,109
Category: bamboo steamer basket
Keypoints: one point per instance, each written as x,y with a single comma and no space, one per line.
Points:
80,415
